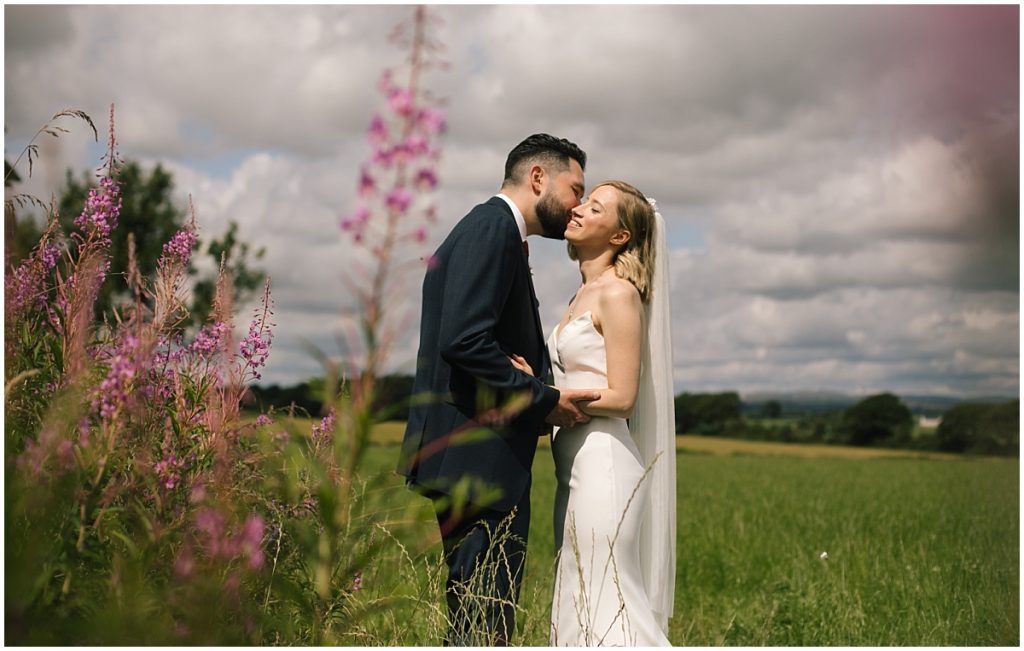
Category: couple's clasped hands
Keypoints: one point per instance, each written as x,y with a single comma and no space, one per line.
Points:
569,410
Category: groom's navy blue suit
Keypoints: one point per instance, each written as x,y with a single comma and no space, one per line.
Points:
479,306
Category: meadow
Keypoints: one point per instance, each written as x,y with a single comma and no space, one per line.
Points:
778,549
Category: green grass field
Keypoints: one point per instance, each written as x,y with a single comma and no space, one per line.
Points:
921,551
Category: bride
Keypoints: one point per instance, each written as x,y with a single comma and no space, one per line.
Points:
615,503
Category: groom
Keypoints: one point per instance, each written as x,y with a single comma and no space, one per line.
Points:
475,419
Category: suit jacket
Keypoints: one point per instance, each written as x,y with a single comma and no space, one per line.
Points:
479,306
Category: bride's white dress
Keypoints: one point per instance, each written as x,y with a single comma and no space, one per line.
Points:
600,598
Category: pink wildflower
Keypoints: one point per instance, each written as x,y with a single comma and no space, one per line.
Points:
367,184
431,120
426,179
400,101
326,425
251,541
263,420
398,200
115,390
255,348
179,249
168,471
102,208
378,131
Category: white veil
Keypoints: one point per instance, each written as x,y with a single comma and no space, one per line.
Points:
653,427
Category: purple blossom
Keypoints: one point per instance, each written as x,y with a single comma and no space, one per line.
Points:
51,253
184,563
27,285
102,208
378,131
385,157
251,541
209,339
221,542
416,145
400,100
367,184
168,471
255,348
179,249
357,581
426,179
431,120
325,426
398,200
357,221
115,390
263,420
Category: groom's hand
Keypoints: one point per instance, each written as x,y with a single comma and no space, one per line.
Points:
567,412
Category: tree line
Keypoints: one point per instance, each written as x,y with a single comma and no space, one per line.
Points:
881,420
149,217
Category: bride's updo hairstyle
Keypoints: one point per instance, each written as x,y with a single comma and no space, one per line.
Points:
635,260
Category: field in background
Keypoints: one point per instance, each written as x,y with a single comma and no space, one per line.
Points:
390,433
920,551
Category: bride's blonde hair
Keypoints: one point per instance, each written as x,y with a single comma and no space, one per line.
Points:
635,260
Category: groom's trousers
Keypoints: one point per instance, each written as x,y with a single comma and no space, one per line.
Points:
485,552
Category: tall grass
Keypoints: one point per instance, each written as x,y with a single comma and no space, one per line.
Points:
918,552
141,507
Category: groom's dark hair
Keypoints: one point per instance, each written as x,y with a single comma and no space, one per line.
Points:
544,149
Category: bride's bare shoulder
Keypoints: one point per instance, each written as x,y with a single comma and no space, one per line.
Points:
617,294
619,290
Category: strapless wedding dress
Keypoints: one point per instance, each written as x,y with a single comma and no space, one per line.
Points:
600,598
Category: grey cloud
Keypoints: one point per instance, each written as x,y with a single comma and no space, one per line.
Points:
852,172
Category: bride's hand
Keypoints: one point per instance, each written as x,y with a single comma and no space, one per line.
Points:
520,363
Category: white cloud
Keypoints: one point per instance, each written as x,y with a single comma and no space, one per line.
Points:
846,177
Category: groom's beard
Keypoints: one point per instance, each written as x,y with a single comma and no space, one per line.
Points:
552,217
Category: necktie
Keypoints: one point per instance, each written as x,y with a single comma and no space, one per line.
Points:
526,248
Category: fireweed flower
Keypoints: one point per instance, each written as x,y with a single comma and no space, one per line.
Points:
325,426
367,184
179,249
115,390
168,471
398,200
101,211
426,179
208,340
431,121
250,541
378,132
221,542
401,101
27,285
255,348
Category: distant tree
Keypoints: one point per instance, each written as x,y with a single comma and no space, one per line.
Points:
706,413
981,428
150,215
20,235
877,419
236,260
147,213
771,409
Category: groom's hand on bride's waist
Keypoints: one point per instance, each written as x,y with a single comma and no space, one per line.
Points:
568,411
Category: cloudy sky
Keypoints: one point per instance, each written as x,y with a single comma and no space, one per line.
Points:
840,184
